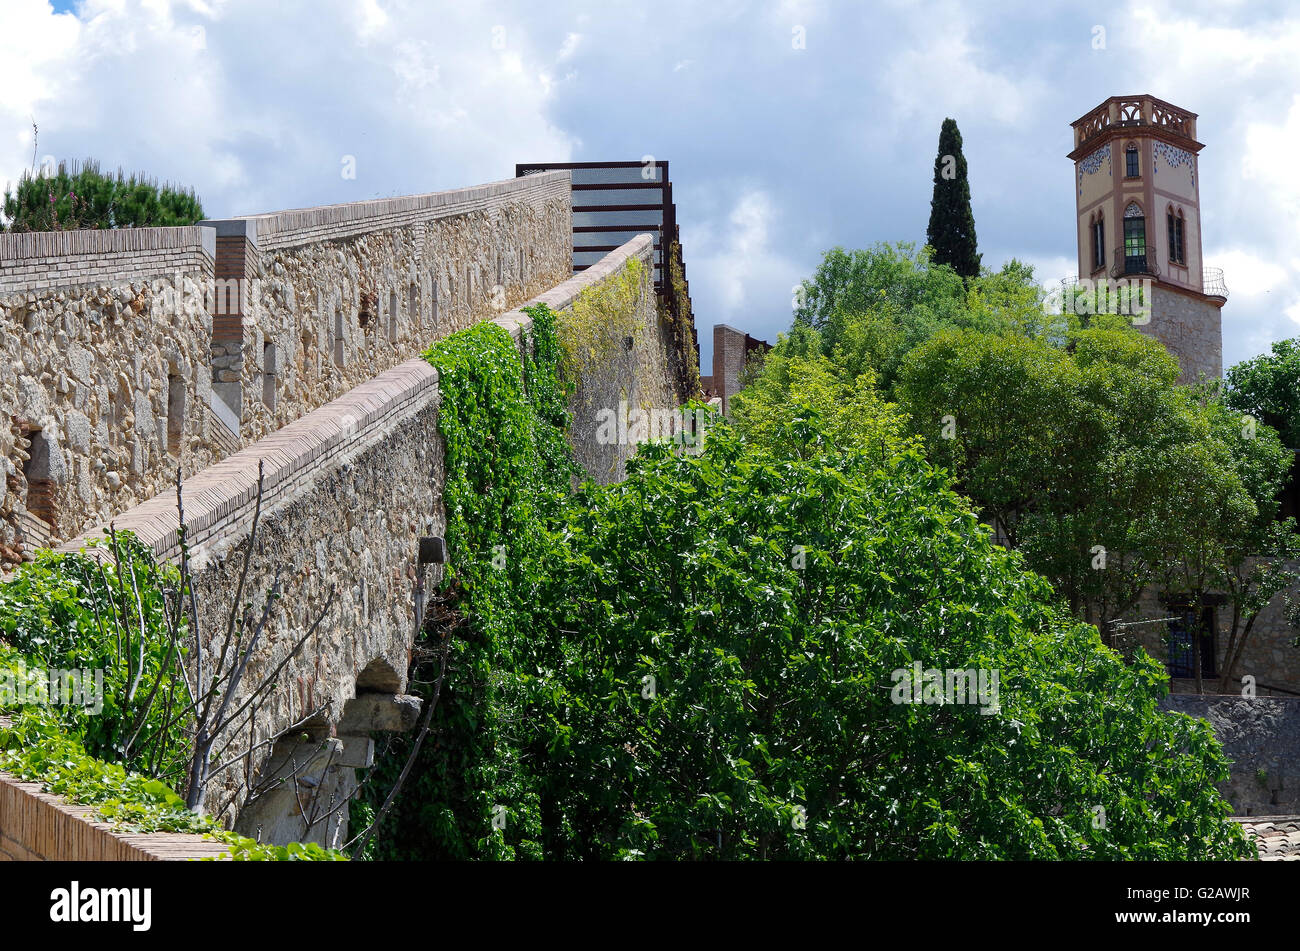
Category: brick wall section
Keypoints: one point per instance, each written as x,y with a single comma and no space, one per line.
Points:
233,252
731,348
349,489
38,827
41,261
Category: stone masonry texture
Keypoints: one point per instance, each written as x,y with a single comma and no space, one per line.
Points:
106,388
1261,736
136,352
1191,329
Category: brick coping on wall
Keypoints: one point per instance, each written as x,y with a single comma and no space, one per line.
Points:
45,261
24,246
294,226
38,826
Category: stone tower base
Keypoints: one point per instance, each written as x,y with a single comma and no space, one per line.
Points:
1190,327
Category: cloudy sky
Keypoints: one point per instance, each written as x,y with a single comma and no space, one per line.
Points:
778,152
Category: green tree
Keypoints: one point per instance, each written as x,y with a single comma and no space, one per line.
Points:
951,232
798,381
731,625
851,282
874,306
1105,474
84,197
1238,546
1268,387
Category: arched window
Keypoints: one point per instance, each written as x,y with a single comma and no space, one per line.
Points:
1131,168
1135,239
1177,245
1098,226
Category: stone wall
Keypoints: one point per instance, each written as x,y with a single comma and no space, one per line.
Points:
333,296
1262,738
1191,329
104,338
349,489
138,351
1269,655
627,358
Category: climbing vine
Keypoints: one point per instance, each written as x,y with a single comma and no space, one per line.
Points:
502,417
597,325
676,310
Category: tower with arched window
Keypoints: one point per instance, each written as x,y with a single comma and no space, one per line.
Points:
1137,194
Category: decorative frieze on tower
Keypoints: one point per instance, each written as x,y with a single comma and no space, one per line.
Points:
1139,218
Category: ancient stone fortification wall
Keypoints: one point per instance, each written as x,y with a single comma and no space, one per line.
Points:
333,296
1191,329
134,351
348,491
106,390
1262,738
626,352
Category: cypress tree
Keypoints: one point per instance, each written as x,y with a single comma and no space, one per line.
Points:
952,226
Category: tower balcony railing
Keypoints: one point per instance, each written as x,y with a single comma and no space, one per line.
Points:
1134,264
1212,283
1126,111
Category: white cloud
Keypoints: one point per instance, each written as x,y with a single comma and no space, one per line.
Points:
570,46
372,18
941,69
736,273
1248,275
257,115
1048,270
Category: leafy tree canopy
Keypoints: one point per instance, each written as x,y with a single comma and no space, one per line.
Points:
873,306
714,694
1268,387
84,197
